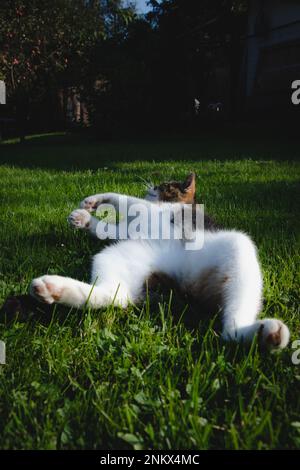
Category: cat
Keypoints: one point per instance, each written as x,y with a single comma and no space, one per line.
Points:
224,274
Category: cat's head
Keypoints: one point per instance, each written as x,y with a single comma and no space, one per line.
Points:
174,191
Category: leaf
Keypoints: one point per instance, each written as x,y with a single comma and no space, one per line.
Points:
133,440
141,398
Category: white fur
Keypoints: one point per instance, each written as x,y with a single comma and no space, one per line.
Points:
120,270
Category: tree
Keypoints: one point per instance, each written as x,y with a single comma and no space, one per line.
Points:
46,45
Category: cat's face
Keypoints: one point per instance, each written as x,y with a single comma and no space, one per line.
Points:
174,191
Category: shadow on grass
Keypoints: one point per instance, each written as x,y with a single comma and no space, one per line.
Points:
78,152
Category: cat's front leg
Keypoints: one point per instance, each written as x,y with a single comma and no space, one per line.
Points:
121,202
80,218
91,203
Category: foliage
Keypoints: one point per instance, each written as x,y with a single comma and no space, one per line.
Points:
46,45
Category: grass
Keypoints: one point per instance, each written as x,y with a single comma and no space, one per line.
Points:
134,379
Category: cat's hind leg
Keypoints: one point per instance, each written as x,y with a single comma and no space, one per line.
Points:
68,291
272,333
118,275
242,302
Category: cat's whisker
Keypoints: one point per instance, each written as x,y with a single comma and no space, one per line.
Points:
151,184
145,182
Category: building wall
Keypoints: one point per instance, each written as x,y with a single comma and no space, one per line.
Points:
272,52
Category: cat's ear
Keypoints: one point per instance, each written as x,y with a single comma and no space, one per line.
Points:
189,185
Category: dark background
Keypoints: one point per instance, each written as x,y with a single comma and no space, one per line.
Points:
184,66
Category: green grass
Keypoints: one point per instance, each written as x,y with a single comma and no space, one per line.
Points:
123,379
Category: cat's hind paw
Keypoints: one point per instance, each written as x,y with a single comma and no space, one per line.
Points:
46,289
80,218
274,334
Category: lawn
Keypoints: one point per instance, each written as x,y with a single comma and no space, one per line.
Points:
135,379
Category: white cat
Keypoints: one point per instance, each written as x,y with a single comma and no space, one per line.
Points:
225,274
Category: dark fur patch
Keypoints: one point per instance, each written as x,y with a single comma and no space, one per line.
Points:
174,192
199,299
207,289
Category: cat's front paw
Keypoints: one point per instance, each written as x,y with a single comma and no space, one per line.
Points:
89,203
274,334
80,218
47,289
